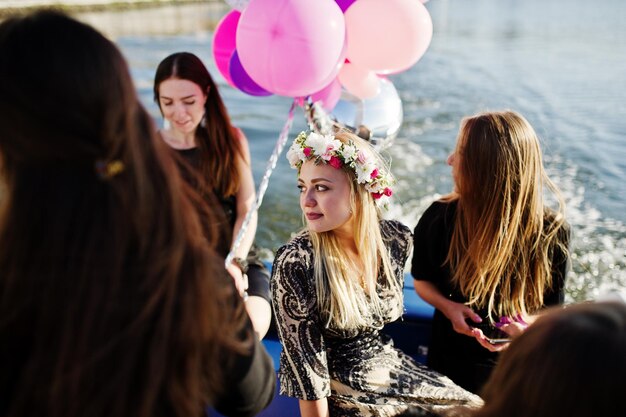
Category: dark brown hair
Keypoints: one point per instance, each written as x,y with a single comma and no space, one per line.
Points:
215,136
570,362
112,301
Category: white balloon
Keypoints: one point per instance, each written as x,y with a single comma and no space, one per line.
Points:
380,115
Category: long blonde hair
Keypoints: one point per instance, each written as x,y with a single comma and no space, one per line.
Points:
352,303
502,249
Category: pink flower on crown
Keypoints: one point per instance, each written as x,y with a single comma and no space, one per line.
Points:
335,162
307,152
374,173
388,192
331,148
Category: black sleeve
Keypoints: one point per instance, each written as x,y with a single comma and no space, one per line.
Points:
250,383
430,244
252,386
560,267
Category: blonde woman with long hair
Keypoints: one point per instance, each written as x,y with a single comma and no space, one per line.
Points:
338,282
491,252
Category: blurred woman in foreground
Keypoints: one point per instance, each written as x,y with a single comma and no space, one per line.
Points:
112,300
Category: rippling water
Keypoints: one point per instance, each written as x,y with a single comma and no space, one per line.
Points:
561,64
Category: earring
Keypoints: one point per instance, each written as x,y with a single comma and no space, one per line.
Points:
166,124
203,120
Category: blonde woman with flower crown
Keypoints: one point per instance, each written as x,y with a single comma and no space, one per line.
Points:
338,282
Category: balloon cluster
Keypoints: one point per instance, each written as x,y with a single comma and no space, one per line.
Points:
323,50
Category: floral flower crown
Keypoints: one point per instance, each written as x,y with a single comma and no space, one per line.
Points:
327,149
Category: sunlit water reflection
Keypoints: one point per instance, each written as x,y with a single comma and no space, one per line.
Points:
561,64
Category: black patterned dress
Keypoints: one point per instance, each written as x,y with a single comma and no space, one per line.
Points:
359,371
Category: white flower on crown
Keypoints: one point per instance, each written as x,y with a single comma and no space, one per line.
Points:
364,172
349,153
295,155
322,145
383,201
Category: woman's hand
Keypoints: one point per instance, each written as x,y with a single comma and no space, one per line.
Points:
458,313
511,327
482,339
239,278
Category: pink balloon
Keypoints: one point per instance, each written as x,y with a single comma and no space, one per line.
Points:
359,81
290,47
224,43
329,95
387,36
335,71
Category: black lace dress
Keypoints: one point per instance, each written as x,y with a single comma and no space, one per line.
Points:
359,371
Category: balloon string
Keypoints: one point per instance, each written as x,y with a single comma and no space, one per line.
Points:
271,164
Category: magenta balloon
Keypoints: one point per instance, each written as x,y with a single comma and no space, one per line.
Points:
329,95
224,43
387,36
242,80
344,4
290,47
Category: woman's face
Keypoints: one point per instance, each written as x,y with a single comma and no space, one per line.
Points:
454,160
325,198
182,103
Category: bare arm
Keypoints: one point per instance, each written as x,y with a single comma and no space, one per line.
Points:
245,200
455,312
246,197
316,408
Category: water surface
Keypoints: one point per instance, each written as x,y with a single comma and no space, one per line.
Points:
561,64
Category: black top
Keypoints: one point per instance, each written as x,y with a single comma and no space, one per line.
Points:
250,382
190,158
258,275
458,356
229,203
